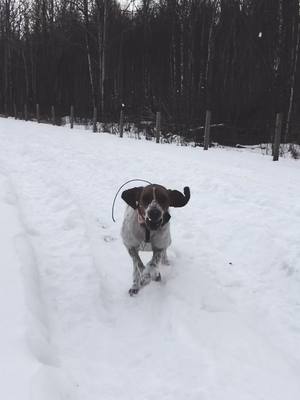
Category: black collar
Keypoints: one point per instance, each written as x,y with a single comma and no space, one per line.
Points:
147,235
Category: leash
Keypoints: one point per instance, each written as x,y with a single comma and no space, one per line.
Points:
115,198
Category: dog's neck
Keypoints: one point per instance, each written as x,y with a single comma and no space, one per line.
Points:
142,222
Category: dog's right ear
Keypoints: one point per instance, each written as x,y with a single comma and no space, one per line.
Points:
178,199
132,196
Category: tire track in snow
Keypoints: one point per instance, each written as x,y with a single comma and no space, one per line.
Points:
37,320
69,280
61,282
43,379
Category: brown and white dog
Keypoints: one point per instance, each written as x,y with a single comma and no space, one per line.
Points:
146,226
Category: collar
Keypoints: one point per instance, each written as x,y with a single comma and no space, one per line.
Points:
142,222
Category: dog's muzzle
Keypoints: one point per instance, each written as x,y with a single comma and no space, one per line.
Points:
154,219
153,225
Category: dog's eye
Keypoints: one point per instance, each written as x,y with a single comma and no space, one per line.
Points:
162,199
146,198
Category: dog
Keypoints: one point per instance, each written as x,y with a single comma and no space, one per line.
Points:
146,226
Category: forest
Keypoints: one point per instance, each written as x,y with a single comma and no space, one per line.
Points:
237,58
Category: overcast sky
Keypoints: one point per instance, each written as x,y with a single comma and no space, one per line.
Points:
124,3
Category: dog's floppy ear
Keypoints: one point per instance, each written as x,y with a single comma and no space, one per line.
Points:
132,196
177,199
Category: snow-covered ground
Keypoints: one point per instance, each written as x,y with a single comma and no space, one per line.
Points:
224,323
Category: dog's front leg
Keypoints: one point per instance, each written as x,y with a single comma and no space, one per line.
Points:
153,264
139,277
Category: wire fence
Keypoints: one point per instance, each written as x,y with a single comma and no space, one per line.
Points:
209,133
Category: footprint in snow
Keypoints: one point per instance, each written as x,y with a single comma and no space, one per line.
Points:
108,238
101,224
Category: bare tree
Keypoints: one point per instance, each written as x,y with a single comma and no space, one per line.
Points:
294,63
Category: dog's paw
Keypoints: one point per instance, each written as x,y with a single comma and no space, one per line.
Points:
165,261
133,291
156,277
145,278
153,271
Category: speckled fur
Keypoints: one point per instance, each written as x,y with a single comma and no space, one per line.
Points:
133,235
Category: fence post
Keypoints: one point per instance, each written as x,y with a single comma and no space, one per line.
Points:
158,125
72,117
38,113
277,136
15,111
53,115
25,112
95,120
207,129
121,126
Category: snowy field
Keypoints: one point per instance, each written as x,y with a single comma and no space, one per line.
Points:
224,323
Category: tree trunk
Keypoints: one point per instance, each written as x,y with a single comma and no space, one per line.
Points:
293,79
88,52
209,63
103,57
279,90
26,77
7,58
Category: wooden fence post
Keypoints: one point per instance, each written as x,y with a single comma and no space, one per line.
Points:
15,111
72,117
95,120
121,126
207,130
53,115
158,126
277,136
38,113
25,112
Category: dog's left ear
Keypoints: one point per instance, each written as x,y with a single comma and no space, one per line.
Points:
177,199
132,196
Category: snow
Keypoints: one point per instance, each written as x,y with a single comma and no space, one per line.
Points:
16,360
224,323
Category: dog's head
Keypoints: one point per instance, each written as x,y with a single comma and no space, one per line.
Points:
153,202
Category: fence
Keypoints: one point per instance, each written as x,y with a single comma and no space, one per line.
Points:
155,128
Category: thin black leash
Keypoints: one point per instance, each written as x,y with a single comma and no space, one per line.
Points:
131,180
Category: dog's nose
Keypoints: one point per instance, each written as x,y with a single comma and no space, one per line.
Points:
154,214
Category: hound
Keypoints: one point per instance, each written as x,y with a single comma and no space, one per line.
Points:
146,226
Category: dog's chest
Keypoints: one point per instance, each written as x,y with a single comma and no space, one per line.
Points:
145,246
134,234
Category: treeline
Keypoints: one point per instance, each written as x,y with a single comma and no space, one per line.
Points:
238,58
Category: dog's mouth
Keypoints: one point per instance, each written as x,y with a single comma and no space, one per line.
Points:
153,225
